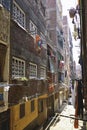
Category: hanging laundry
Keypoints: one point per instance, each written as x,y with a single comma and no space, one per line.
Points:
38,43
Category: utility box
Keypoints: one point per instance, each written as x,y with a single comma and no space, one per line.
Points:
4,88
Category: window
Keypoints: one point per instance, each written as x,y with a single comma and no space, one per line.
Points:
40,106
32,106
18,15
33,29
18,68
32,70
43,73
22,110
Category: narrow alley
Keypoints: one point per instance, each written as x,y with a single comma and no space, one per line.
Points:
66,120
43,64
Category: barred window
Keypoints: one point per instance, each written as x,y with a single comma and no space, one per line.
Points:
43,73
18,68
18,15
32,70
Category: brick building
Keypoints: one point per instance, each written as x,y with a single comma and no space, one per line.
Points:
67,51
23,61
4,62
55,27
30,55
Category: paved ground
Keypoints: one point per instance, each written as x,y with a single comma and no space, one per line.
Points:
67,123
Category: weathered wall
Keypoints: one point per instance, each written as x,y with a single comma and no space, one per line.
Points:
17,92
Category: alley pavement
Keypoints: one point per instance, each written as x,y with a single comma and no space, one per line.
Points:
66,121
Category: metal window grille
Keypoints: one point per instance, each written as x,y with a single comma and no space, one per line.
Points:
43,73
18,68
32,70
18,15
